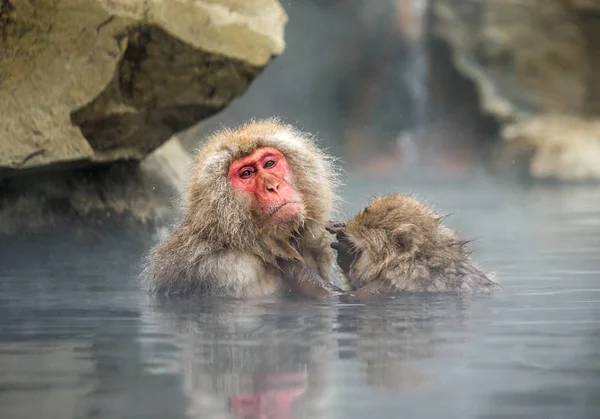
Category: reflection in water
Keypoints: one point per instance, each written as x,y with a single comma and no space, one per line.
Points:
79,339
253,359
391,337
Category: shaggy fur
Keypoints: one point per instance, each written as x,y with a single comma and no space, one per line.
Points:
221,245
401,244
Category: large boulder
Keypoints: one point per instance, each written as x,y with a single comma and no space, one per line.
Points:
86,81
90,88
531,60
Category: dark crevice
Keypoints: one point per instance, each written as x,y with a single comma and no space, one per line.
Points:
162,86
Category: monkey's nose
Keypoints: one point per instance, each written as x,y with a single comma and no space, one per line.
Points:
273,187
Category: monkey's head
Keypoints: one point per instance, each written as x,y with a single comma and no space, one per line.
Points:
398,233
260,182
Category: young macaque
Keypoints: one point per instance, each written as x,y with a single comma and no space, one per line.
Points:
254,217
397,243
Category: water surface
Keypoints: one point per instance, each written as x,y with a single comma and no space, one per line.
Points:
78,339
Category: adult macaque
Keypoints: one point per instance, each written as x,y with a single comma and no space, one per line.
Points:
254,216
396,243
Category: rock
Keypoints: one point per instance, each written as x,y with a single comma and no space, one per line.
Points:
561,147
94,81
92,90
141,193
533,63
526,57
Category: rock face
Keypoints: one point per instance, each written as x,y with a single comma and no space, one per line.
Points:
95,81
90,88
531,60
526,57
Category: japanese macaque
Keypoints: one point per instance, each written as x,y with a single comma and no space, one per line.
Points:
254,215
397,243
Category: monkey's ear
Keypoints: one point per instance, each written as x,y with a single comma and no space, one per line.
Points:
403,237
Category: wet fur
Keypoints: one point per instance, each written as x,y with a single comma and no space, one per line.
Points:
221,246
404,246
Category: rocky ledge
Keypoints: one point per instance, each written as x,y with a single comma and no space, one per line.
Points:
90,88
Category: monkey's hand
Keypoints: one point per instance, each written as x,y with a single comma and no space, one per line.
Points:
335,227
346,251
306,281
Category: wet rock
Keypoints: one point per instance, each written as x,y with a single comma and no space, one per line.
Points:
95,81
560,147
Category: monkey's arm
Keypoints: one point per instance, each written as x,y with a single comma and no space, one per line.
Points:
306,281
316,251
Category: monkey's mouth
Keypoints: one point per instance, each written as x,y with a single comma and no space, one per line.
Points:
291,207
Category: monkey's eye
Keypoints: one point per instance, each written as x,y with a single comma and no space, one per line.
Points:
246,173
270,163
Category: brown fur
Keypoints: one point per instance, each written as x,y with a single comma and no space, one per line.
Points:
221,245
403,245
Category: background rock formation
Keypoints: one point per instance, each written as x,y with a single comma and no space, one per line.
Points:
563,147
533,59
93,82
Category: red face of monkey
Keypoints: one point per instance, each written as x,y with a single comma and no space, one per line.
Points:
265,177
